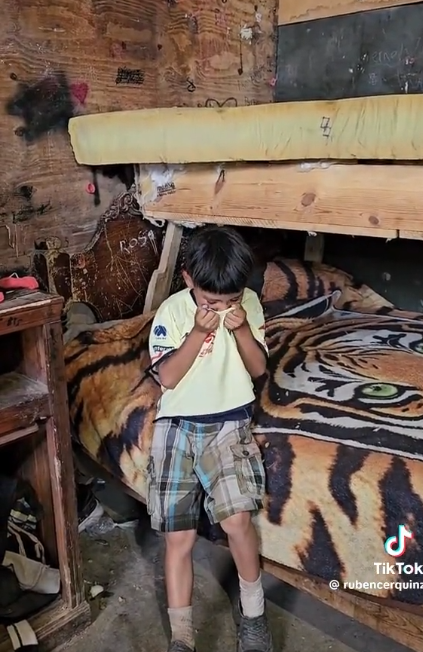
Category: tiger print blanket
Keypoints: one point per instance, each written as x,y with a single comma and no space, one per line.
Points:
339,419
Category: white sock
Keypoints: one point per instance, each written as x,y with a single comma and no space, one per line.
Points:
181,625
252,597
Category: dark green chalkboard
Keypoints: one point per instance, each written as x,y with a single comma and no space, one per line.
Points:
376,52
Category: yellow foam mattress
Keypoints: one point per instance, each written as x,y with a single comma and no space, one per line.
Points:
387,127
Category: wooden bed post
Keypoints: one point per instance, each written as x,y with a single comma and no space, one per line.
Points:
161,280
314,246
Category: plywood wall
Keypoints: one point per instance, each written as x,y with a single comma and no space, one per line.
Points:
59,58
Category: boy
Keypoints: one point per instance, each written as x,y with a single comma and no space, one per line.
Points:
206,345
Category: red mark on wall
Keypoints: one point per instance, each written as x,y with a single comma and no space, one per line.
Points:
79,91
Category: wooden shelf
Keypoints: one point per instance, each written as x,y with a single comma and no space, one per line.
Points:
26,309
36,446
23,402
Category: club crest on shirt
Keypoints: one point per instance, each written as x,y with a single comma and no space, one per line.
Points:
160,331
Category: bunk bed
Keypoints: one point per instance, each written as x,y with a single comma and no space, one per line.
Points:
340,427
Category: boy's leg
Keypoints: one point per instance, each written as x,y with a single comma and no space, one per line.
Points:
173,494
232,474
179,584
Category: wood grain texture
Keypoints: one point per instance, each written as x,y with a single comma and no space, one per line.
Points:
355,128
290,11
54,626
342,198
111,273
69,57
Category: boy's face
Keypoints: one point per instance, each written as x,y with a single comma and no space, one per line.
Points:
217,302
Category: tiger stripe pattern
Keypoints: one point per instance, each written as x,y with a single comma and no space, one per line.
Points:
339,418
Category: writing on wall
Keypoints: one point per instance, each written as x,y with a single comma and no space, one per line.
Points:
141,240
130,76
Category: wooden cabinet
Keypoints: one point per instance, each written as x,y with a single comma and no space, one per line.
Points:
35,443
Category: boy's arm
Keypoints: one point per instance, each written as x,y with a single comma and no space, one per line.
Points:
175,366
171,360
250,338
251,351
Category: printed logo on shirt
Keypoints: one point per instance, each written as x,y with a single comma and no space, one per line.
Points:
160,331
208,344
159,348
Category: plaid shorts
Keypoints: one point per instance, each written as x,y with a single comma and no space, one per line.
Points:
188,460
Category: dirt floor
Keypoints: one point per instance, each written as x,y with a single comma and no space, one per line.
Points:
131,615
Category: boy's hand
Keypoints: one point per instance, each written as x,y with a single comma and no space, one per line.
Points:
206,321
235,319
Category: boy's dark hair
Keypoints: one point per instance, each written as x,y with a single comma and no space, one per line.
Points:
218,260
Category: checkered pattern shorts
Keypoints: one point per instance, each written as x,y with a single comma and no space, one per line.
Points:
188,460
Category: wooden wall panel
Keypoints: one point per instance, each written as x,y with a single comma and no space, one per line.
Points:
298,11
59,58
363,54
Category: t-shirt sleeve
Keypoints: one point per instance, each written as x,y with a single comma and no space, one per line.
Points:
164,338
255,318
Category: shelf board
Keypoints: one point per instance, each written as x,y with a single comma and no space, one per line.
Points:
23,401
24,309
54,625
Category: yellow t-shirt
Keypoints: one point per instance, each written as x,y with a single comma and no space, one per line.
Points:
218,380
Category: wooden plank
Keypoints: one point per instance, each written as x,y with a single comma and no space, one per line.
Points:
341,198
398,624
161,280
411,235
54,626
60,464
346,129
281,224
67,57
364,54
314,247
290,11
23,402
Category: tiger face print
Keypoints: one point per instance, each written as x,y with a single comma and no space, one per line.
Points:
340,423
356,375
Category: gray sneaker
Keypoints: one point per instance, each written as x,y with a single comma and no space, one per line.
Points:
254,635
179,646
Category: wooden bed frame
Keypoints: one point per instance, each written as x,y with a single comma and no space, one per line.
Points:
401,622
